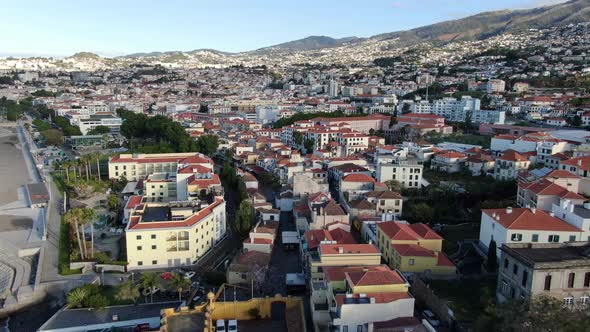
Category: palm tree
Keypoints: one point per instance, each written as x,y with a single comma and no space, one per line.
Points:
179,283
77,297
66,165
127,291
97,157
150,281
72,217
86,160
88,216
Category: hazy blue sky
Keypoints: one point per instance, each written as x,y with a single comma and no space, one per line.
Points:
116,27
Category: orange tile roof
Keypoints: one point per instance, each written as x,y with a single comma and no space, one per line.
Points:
526,219
333,249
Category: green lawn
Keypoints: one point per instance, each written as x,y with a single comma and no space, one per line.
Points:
467,298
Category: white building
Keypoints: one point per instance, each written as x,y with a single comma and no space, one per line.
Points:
514,225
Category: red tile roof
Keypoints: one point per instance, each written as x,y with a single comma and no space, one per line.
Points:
526,219
358,177
412,232
347,249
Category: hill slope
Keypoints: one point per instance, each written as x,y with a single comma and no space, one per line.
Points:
492,23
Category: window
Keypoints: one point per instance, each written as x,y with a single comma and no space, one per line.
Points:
553,238
154,262
584,300
572,238
138,237
515,269
138,247
535,238
516,237
359,328
154,246
568,300
587,279
504,287
570,280
525,276
153,236
243,276
140,263
411,261
505,263
547,283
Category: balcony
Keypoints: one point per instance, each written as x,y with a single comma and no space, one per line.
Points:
182,237
177,248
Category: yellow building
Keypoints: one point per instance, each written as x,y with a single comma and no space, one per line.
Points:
167,234
342,255
356,296
413,248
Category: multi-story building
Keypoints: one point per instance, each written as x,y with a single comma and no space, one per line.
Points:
543,194
514,225
408,172
136,167
173,233
509,164
495,85
413,248
359,297
559,270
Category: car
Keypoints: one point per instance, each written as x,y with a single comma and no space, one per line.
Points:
167,275
220,325
195,284
232,325
431,318
196,299
189,275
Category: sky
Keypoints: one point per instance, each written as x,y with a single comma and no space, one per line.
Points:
119,27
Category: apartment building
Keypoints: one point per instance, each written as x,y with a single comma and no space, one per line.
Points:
329,254
559,270
408,172
543,194
413,248
521,225
359,297
172,234
509,164
136,167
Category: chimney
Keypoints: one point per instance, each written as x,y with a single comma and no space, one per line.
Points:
498,218
579,162
509,210
340,250
115,318
370,241
552,214
534,210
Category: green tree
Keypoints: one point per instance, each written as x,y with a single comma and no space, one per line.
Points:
77,297
309,145
394,185
492,263
575,121
41,125
99,130
53,137
149,281
204,108
419,213
179,284
127,291
244,218
96,301
207,144
113,202
297,138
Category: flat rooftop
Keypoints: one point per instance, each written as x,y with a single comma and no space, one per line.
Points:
72,318
156,213
550,253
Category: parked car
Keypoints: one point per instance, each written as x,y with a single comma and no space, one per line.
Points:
196,299
167,275
189,275
431,318
220,325
232,325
